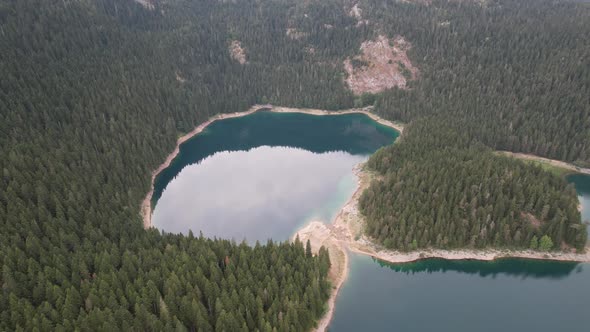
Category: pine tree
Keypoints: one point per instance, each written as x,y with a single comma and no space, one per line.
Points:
534,243
546,243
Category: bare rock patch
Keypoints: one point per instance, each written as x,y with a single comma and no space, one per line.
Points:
148,4
237,52
357,13
382,64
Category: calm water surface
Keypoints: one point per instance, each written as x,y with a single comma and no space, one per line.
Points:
582,183
442,295
264,175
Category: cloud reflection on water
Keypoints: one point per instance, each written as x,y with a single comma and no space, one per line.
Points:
266,192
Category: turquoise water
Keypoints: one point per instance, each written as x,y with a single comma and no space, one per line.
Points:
582,184
443,295
264,175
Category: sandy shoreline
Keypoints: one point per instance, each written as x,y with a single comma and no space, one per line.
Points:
320,234
367,111
146,205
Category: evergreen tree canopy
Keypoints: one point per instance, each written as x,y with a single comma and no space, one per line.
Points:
441,189
94,93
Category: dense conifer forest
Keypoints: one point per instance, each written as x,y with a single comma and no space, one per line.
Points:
516,72
439,188
90,104
94,93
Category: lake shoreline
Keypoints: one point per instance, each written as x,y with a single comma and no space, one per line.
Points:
146,204
346,233
320,234
485,255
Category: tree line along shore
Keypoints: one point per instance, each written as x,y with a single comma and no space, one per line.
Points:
95,93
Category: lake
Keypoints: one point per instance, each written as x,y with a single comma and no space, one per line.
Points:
264,175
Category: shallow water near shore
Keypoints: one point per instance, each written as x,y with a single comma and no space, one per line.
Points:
447,295
582,184
264,175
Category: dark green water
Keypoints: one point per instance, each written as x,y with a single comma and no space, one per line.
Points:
264,175
442,295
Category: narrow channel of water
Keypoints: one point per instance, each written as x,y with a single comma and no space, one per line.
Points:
582,184
264,175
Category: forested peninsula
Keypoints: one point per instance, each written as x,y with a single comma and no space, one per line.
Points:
95,93
440,189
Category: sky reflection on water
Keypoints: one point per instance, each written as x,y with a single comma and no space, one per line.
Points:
266,192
